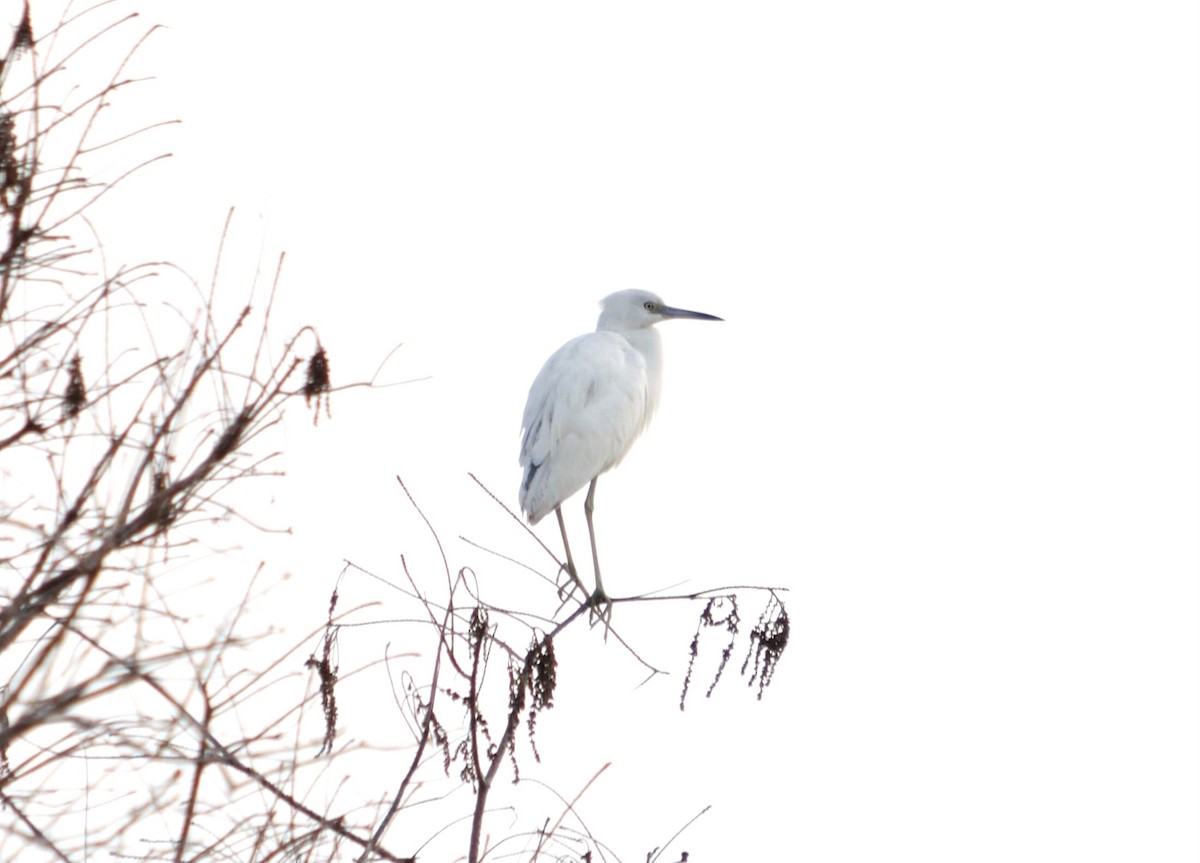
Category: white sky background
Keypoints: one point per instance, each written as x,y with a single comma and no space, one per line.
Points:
953,407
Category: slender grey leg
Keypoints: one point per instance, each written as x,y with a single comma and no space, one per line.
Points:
571,571
588,505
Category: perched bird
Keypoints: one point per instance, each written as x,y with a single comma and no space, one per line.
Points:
588,404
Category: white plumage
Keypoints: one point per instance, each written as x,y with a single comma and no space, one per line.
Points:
588,404
591,399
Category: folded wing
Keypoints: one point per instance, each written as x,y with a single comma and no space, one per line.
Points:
586,407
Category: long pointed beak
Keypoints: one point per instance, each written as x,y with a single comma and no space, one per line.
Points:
672,312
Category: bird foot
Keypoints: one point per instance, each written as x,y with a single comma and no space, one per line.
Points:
601,607
566,591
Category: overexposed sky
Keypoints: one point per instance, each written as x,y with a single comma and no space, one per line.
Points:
953,407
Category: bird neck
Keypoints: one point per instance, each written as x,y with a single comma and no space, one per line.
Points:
647,342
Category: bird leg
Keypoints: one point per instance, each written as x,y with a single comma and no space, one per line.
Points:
570,565
599,598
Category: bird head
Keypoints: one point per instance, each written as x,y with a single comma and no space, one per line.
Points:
634,309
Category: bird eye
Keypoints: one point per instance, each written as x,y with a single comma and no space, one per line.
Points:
648,305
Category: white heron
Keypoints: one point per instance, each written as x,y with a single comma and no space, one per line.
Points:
588,404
